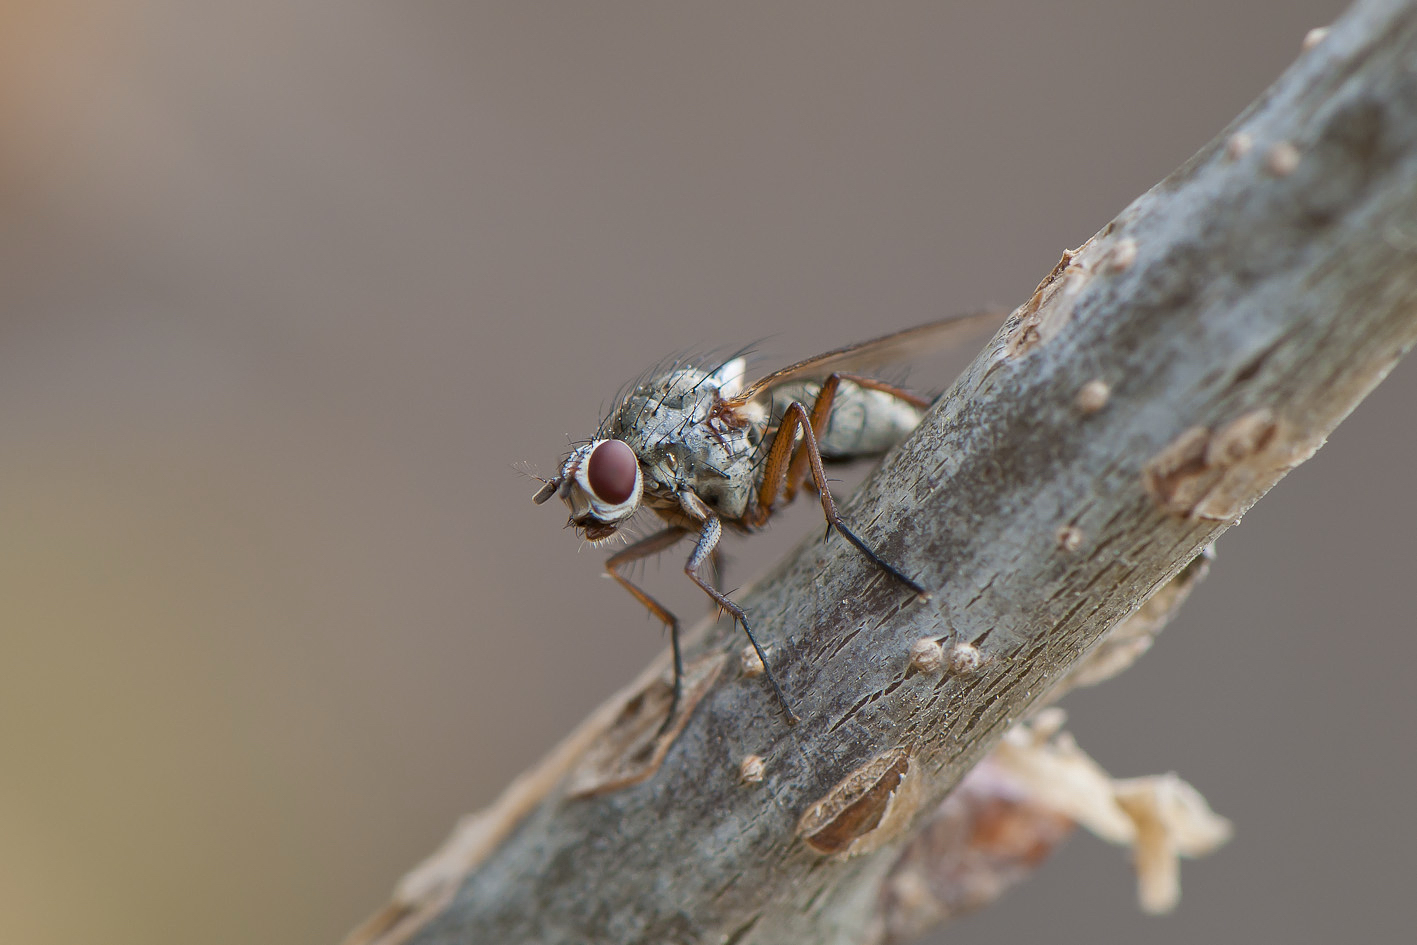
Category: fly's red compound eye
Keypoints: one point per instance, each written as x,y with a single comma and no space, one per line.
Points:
612,471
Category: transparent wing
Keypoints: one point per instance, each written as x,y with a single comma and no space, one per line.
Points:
865,356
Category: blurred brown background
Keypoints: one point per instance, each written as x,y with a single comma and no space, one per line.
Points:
286,289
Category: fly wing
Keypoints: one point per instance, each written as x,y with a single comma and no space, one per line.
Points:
866,356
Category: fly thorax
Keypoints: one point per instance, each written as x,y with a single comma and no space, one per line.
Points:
684,444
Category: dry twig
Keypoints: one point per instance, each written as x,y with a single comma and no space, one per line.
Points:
1161,379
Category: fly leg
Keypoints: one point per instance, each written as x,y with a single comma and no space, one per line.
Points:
643,549
821,412
778,468
708,540
717,569
785,469
777,473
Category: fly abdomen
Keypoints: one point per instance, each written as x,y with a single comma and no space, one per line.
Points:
862,422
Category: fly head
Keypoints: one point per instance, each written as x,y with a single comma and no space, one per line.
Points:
601,484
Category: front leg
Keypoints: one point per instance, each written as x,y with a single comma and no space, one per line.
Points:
708,540
642,549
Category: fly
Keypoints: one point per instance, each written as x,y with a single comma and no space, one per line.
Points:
704,450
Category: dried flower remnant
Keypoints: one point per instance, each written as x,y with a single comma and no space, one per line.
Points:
1015,807
1160,817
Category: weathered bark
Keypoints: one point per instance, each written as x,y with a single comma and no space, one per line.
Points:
1233,315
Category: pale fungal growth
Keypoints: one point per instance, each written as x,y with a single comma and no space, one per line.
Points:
965,658
1093,396
1314,36
1070,538
1123,254
751,770
750,663
926,655
1282,159
1160,817
1238,145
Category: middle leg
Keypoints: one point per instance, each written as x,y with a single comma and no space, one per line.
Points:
708,540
